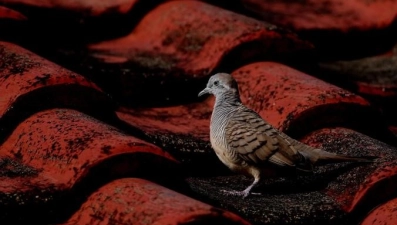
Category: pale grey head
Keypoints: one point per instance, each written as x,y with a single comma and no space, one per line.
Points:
219,84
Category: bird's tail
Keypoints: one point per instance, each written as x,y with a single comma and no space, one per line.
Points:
321,157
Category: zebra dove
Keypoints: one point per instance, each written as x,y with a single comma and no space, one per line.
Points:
246,143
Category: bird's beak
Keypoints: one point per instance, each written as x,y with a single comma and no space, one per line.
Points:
203,92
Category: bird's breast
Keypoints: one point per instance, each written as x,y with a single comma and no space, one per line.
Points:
226,157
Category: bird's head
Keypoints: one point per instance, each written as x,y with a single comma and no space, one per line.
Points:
219,84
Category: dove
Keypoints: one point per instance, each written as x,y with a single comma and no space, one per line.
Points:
248,144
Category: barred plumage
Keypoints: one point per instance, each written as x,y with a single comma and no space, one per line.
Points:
246,143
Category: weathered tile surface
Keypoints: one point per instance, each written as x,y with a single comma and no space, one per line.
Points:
54,155
68,155
137,201
30,83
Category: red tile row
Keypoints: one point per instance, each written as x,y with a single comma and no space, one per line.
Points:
65,144
290,98
90,8
371,76
384,214
191,40
30,83
339,29
326,15
334,194
9,14
65,148
50,153
137,201
50,150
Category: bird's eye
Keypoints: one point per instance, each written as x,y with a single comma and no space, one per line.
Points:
216,83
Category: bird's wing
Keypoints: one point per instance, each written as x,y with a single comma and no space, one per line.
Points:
255,141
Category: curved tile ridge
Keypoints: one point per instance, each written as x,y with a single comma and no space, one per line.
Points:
355,27
7,13
181,40
298,103
290,100
384,214
29,83
195,35
365,186
327,14
334,194
72,153
137,201
373,76
25,193
89,8
65,144
182,130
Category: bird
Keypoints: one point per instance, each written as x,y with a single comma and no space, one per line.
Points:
248,144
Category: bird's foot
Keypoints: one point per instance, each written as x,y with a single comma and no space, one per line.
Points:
242,194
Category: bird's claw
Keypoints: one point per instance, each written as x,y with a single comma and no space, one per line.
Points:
243,194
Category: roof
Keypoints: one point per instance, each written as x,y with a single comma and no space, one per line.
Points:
100,122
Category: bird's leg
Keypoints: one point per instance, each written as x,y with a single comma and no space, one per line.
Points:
246,192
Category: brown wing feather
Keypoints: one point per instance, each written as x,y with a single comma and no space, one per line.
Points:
256,142
252,146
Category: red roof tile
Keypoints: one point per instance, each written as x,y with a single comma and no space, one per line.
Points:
61,148
374,76
66,144
292,96
326,14
137,201
297,103
366,185
181,130
194,37
54,153
339,29
88,8
7,13
281,95
385,214
334,194
191,40
290,100
30,83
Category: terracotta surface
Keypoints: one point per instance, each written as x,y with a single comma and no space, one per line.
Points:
123,139
192,40
30,83
7,13
204,43
339,29
89,8
290,100
334,194
296,102
326,14
374,76
393,129
68,142
384,214
181,130
63,149
137,201
364,186
52,25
